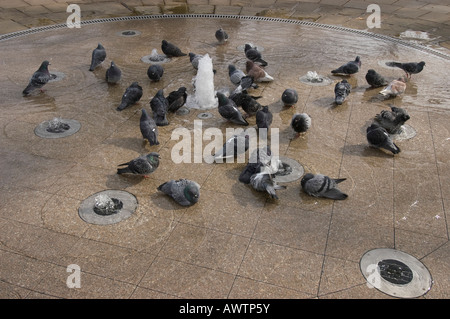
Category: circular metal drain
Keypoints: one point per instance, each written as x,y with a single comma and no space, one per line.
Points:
315,79
56,76
291,171
395,273
204,115
407,133
107,207
129,33
182,111
57,128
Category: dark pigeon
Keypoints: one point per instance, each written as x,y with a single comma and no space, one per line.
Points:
171,50
248,102
113,74
143,165
322,186
349,68
375,79
249,170
254,55
341,91
378,137
155,72
160,106
300,123
98,56
131,96
229,111
176,99
39,78
264,182
149,129
264,118
409,68
289,97
221,36
392,120
185,192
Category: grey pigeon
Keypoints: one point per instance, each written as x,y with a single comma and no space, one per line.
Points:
264,182
394,88
143,165
264,118
254,55
319,185
160,106
113,74
155,72
98,56
349,68
378,137
39,78
229,111
341,91
249,170
221,35
184,191
149,129
171,50
234,146
132,95
300,123
289,97
238,77
248,102
392,120
409,68
194,59
260,160
176,99
375,79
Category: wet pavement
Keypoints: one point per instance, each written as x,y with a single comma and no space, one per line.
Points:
235,242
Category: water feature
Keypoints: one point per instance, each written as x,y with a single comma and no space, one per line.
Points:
105,205
312,78
155,57
204,95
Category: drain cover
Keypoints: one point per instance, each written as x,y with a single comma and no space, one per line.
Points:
291,171
407,133
57,128
395,273
182,111
107,207
204,115
129,33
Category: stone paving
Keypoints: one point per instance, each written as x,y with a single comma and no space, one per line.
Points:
297,248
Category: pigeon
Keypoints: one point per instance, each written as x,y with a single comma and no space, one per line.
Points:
248,102
234,146
264,182
264,118
378,137
221,35
289,97
171,50
195,58
256,72
176,99
409,68
184,191
235,74
131,96
341,91
254,55
113,74
98,56
155,72
394,88
392,120
319,185
349,68
375,79
159,106
229,111
249,170
149,129
264,156
39,78
238,77
300,123
143,165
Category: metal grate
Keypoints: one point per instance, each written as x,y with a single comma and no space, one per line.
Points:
237,17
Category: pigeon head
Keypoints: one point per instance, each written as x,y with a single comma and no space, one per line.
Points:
422,63
153,157
192,193
306,178
371,71
358,60
191,56
247,47
44,65
222,98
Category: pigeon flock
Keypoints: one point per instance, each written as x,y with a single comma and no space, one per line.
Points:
259,172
